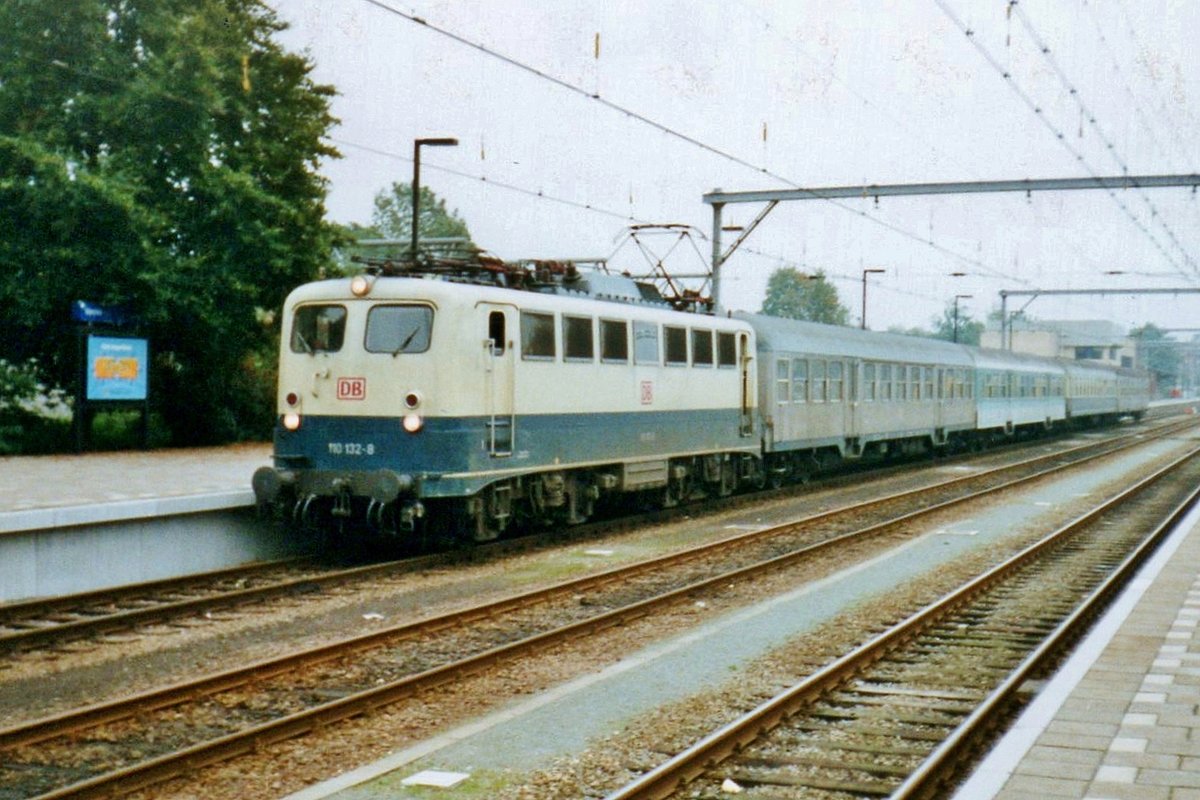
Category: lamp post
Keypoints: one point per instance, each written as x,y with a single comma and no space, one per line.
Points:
416,181
958,297
866,272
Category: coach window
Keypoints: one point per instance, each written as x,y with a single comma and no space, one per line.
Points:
868,383
537,335
702,348
928,373
835,381
799,380
614,341
817,376
782,381
676,342
901,382
914,383
578,342
318,328
726,350
399,329
885,383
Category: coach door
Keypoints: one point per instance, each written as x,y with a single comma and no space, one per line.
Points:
499,384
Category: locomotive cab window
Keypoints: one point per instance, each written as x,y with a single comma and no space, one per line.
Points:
537,335
399,329
578,342
676,340
318,328
614,341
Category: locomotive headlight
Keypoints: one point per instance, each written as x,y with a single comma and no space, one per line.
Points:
413,423
360,285
291,421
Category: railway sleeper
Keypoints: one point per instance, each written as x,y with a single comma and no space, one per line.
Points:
888,747
826,762
763,778
907,701
872,715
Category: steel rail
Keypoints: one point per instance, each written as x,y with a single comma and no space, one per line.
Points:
166,766
25,615
48,727
663,781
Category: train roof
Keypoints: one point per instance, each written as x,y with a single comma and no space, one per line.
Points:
775,333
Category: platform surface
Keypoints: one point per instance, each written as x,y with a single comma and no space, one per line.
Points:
1121,719
33,482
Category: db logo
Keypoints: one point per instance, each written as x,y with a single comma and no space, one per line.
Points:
647,393
351,388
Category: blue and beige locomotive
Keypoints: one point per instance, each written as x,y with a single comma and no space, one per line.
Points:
459,402
463,399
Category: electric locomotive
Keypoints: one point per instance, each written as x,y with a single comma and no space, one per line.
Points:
459,398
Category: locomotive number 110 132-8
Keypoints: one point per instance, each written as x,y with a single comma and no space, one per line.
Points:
351,449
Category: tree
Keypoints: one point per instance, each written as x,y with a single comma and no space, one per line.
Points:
160,155
1158,353
794,295
391,221
969,331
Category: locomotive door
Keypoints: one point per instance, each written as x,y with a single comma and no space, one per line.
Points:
499,389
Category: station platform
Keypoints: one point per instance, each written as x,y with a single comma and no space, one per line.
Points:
76,523
1119,720
60,490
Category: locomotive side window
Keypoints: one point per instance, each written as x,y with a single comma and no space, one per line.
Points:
537,335
676,339
645,343
399,329
726,350
578,342
318,328
614,341
702,348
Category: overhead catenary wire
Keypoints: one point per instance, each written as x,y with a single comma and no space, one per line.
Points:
1037,110
1090,115
684,137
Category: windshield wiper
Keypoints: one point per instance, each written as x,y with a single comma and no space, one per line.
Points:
407,341
308,348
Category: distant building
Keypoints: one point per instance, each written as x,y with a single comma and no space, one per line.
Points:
1088,340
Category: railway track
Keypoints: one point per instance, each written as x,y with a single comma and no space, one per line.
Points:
139,740
899,716
52,622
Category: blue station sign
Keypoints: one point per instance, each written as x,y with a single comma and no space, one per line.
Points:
117,368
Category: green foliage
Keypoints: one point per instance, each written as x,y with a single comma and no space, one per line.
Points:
794,295
160,155
393,215
970,331
1157,353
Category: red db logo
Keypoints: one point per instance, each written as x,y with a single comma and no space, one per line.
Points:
352,388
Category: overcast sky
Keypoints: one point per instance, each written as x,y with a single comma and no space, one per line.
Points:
747,95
